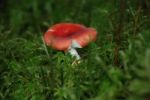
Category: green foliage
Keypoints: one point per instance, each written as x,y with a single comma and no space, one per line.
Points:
30,70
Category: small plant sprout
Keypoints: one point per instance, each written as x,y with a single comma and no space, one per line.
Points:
68,36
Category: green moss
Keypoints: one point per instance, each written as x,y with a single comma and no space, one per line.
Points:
30,70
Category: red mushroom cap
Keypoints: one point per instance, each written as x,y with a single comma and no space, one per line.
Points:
60,36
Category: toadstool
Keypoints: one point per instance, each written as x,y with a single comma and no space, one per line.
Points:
68,36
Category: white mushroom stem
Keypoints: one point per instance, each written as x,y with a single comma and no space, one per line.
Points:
74,53
72,49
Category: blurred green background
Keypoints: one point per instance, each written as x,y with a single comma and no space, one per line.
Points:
115,67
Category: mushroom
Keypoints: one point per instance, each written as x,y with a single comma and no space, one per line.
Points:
68,37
